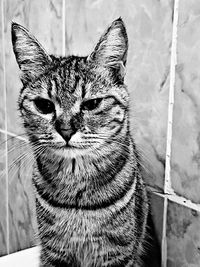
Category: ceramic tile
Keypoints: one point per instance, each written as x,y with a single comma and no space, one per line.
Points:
22,219
44,20
183,236
2,88
149,26
186,125
3,197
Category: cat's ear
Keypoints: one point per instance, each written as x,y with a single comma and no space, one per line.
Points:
111,50
30,55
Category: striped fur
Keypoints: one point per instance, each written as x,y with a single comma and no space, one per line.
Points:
91,202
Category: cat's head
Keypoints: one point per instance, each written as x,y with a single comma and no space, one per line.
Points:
74,104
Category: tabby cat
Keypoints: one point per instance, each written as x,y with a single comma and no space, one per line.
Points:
91,202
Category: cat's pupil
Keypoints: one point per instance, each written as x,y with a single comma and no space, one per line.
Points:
91,104
44,106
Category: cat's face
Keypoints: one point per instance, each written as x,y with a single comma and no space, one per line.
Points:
73,104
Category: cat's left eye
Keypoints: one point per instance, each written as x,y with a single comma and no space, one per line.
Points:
44,106
91,104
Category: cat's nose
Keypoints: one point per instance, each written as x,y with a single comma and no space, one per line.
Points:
65,130
67,133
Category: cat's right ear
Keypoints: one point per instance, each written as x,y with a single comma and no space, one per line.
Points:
30,55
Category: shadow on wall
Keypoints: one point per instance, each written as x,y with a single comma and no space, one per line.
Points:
68,27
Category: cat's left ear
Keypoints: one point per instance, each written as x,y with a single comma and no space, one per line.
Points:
30,55
111,50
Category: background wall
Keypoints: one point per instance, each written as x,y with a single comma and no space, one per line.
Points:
163,76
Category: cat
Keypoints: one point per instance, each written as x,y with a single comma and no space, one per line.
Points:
91,201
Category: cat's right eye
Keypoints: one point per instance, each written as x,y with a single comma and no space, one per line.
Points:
44,106
91,104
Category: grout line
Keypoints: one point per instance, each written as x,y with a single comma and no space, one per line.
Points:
184,202
5,132
167,183
13,135
177,199
63,27
173,62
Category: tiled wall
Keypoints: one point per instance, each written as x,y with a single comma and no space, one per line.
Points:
163,76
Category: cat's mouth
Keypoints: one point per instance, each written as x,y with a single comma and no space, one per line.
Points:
74,146
78,142
71,145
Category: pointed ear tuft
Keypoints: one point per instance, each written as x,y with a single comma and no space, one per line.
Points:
111,50
30,55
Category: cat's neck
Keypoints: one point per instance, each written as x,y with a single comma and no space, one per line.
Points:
85,182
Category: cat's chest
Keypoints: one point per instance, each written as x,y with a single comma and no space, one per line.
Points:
69,224
73,231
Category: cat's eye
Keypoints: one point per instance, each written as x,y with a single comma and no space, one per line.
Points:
91,104
44,106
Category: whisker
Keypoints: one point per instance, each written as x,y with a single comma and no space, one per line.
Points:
25,155
139,159
11,137
29,160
